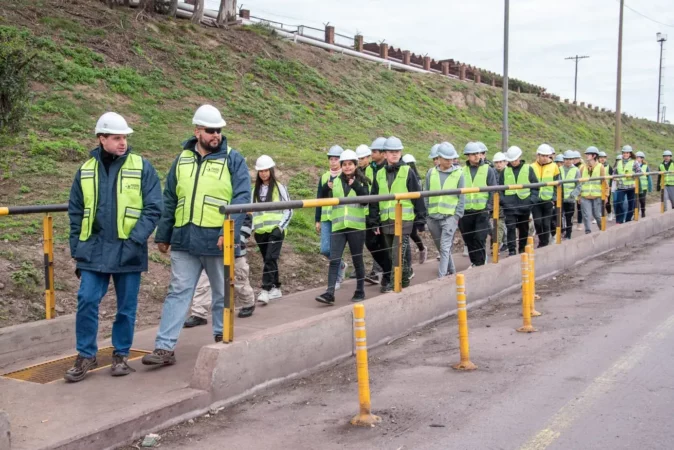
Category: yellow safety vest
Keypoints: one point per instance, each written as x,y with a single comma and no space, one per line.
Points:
346,216
643,180
369,173
444,204
387,209
523,178
669,176
325,210
266,221
477,201
129,195
546,174
201,190
626,168
569,187
591,188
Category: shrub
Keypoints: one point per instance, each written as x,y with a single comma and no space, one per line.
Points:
15,69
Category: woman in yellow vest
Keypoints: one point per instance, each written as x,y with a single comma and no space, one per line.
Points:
591,201
627,165
543,210
668,182
269,227
348,225
645,183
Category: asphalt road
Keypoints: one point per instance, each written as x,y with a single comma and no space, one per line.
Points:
599,374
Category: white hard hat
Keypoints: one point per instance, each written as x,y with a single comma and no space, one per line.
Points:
471,148
264,162
393,143
544,149
378,144
513,154
592,151
559,158
335,150
499,157
667,153
208,116
112,123
447,151
627,149
641,154
362,151
407,158
602,154
434,152
483,148
348,155
569,154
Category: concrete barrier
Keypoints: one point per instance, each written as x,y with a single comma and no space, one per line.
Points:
231,372
5,434
35,339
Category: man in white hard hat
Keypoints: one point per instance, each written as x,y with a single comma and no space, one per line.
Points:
627,165
364,155
570,192
517,204
645,183
500,164
206,175
483,154
543,211
666,181
115,203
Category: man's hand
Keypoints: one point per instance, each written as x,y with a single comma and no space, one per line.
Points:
377,232
318,227
164,248
220,242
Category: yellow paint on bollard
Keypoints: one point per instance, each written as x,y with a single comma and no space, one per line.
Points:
532,276
558,228
365,418
462,317
637,191
228,259
48,247
497,212
526,299
398,250
529,249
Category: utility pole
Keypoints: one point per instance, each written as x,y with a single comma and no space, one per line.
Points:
661,38
575,83
506,24
618,114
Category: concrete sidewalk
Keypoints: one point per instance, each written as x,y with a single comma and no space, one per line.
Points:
101,411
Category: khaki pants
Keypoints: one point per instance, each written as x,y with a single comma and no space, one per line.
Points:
244,296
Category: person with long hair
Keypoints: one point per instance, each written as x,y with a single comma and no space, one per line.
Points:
348,225
627,165
269,227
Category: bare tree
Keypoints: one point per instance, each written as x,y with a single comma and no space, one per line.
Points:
227,12
198,11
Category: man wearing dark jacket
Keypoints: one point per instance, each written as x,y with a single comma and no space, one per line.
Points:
206,175
395,178
115,203
517,204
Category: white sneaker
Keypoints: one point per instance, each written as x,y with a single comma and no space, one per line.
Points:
275,293
611,217
594,220
342,271
580,227
465,251
263,297
338,286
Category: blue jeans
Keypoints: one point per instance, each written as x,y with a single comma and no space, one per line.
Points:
93,286
185,273
624,213
326,234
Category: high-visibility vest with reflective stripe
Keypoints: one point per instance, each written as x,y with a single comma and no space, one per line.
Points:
129,195
265,221
201,190
569,187
522,178
669,176
387,209
591,188
444,204
346,216
643,180
369,173
477,201
626,168
545,174
325,210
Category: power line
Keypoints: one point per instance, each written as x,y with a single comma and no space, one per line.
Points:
575,83
648,18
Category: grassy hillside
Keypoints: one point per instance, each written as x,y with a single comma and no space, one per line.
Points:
289,101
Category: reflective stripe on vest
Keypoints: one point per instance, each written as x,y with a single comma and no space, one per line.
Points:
444,204
669,176
545,174
346,216
522,178
591,188
325,210
129,195
477,201
387,209
265,221
626,168
569,187
201,190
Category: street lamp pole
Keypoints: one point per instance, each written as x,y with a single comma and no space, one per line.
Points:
618,114
661,38
504,136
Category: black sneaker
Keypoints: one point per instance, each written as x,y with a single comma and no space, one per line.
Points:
79,370
388,287
194,321
372,279
159,357
218,338
120,366
358,296
327,299
246,311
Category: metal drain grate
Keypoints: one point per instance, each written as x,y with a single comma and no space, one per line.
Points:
53,370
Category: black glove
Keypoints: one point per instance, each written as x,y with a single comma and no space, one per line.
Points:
78,273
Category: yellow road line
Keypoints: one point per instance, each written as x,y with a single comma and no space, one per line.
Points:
600,386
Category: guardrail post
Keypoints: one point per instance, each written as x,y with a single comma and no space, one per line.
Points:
558,230
604,196
529,249
637,186
228,259
462,317
364,418
496,245
48,246
398,250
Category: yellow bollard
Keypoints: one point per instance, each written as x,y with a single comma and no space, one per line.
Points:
462,317
398,250
365,418
604,195
558,229
526,299
662,193
636,198
496,244
228,257
529,249
48,248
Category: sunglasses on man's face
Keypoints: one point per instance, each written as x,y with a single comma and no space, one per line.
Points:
212,130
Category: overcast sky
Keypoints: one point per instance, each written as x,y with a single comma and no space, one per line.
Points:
542,34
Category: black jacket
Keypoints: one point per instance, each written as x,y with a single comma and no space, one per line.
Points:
512,204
